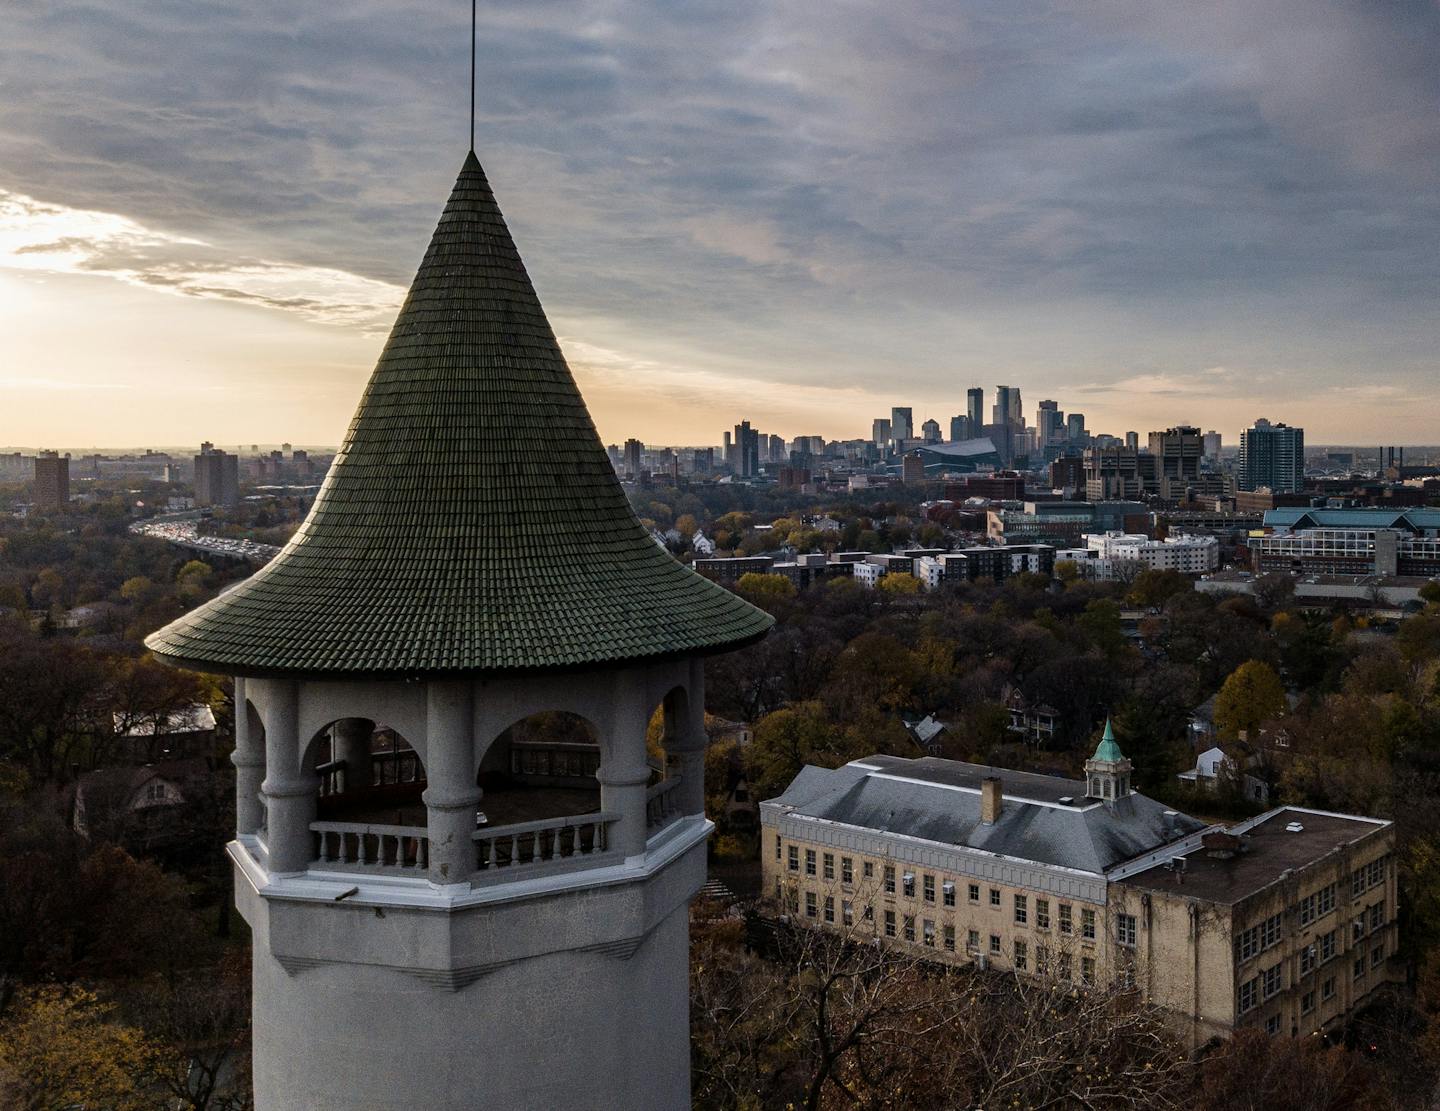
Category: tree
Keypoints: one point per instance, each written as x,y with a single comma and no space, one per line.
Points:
1101,623
1153,588
1067,571
1274,591
784,742
1252,695
1255,1070
899,584
201,1025
765,590
832,1023
1418,638
63,1049
1430,593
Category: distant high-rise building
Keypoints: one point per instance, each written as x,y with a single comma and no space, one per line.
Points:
1075,428
747,450
1211,445
930,431
52,481
217,477
975,409
1272,456
1132,440
1049,424
1007,406
902,424
880,433
1177,459
959,429
912,469
633,450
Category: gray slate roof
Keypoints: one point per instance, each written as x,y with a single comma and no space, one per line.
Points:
939,800
472,522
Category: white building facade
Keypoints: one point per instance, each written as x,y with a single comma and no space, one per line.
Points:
1117,555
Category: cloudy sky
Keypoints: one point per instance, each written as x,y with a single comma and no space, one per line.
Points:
797,211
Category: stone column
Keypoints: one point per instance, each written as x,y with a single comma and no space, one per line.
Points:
249,761
450,795
685,741
352,744
624,775
290,789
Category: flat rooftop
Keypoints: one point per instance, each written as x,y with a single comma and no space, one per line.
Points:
1271,851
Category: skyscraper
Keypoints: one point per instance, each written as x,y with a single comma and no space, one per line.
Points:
52,481
880,433
1211,443
1272,456
930,431
1048,423
747,450
975,409
461,957
959,429
1075,429
1007,405
902,424
1132,440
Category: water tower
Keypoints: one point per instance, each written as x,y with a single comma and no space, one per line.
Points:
447,913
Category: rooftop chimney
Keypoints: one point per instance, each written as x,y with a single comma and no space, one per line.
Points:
990,797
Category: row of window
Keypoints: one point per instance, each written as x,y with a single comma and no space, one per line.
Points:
1064,912
1267,984
1064,962
895,926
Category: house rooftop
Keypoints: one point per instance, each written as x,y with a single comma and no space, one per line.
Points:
1045,819
1271,848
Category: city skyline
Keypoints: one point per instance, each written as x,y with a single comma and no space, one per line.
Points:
1155,217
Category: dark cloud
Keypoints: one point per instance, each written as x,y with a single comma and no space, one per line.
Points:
1087,189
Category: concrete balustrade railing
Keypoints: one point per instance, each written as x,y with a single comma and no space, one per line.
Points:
553,843
357,845
663,803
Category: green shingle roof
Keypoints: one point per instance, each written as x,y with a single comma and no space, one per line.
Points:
472,522
1108,749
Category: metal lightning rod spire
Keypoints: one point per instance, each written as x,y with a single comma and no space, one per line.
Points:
472,76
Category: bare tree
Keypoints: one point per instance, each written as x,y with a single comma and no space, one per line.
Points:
833,1021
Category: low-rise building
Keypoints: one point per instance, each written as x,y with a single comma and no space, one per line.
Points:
1216,769
730,570
1059,523
1114,556
1092,882
1349,542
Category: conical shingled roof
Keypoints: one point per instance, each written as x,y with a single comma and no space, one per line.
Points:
472,522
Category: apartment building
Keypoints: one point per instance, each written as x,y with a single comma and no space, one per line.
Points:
1077,880
1113,555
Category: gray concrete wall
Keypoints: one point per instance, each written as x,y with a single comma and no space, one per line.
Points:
568,1030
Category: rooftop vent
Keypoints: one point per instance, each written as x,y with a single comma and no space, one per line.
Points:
1294,827
1066,799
